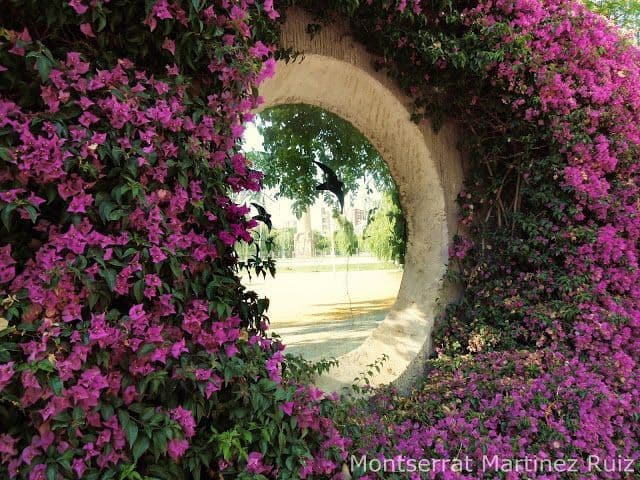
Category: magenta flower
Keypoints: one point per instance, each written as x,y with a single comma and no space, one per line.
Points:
79,467
80,203
38,472
227,238
169,45
254,463
177,448
157,255
178,348
7,447
287,408
7,269
87,30
78,6
130,394
231,349
185,419
6,374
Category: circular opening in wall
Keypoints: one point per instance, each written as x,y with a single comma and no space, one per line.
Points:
336,73
333,223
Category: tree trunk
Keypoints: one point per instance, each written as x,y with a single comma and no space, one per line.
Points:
304,247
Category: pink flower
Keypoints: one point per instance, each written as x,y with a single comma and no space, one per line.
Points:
157,255
29,453
259,50
79,203
7,447
185,418
202,374
130,394
169,45
78,6
178,348
271,12
6,373
177,448
138,316
39,472
213,386
87,119
87,30
35,200
7,269
79,467
274,367
268,70
254,463
227,238
287,408
11,195
231,350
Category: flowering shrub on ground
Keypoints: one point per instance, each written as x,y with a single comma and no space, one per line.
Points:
129,348
493,410
546,95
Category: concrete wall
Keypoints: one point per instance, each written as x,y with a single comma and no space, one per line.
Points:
336,74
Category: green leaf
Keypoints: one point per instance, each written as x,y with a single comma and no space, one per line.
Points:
78,414
160,441
106,411
43,65
45,366
105,210
56,385
110,277
6,215
138,290
33,213
4,154
141,446
131,431
52,472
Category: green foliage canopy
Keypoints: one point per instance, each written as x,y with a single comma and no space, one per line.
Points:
385,235
345,239
295,135
625,13
284,239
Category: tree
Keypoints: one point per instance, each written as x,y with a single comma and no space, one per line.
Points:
284,241
385,235
322,246
345,239
295,135
625,13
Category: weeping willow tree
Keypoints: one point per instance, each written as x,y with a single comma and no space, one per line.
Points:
345,238
386,232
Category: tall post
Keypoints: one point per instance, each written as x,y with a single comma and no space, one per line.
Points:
333,242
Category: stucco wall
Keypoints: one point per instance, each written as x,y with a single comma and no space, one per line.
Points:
336,74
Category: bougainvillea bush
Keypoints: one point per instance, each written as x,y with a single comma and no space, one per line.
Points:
130,349
540,357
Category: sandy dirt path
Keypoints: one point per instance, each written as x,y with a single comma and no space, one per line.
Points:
326,314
